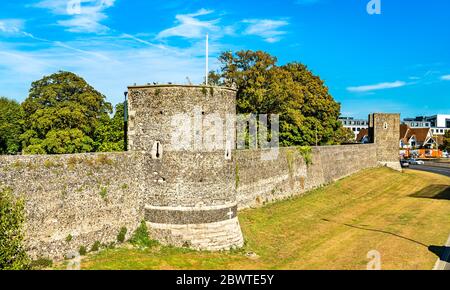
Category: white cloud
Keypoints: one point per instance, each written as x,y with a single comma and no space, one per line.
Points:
109,63
267,29
84,15
445,78
189,26
11,26
376,87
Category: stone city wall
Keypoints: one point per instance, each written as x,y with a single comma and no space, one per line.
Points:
259,182
188,197
75,200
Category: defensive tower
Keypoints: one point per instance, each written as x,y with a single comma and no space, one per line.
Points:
190,192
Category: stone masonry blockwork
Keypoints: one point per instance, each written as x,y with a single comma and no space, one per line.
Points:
187,198
75,200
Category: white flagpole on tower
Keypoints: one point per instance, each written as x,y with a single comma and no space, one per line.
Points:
207,59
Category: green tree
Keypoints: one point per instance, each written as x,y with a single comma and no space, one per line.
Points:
446,143
344,136
109,135
11,125
12,253
62,113
308,113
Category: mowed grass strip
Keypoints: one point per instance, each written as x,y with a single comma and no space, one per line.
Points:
397,214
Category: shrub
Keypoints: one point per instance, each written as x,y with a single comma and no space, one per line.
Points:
12,253
49,164
82,251
141,237
69,238
72,161
306,153
104,160
96,246
41,263
104,193
122,234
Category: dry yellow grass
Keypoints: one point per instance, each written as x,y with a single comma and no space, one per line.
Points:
399,215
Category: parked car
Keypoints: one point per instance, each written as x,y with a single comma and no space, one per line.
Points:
404,163
416,162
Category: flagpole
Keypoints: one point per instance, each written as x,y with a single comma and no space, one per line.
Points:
207,59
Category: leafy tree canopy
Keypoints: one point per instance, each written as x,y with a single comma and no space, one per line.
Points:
109,135
63,114
11,122
12,253
446,145
308,113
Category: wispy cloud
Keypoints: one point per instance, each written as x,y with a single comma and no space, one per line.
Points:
83,15
107,62
190,26
376,87
11,26
267,29
445,78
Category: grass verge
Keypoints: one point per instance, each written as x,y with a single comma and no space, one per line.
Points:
401,215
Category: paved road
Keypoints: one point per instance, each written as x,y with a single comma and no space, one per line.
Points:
439,170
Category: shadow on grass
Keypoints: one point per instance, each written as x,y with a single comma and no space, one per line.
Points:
441,252
378,231
435,191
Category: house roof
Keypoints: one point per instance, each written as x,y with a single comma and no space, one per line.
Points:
363,133
403,130
421,134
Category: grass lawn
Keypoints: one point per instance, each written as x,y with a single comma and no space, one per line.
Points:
398,214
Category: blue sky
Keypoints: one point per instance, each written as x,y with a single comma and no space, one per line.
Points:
398,61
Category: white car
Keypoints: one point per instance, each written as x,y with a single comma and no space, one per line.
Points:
416,162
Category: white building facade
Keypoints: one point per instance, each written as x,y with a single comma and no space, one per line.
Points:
356,125
439,124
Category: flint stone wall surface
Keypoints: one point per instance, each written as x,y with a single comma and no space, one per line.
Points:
63,193
152,108
385,132
186,198
188,179
260,182
190,195
88,197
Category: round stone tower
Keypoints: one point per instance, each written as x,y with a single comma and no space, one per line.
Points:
186,135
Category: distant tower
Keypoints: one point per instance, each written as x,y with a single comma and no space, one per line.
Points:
384,131
190,195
